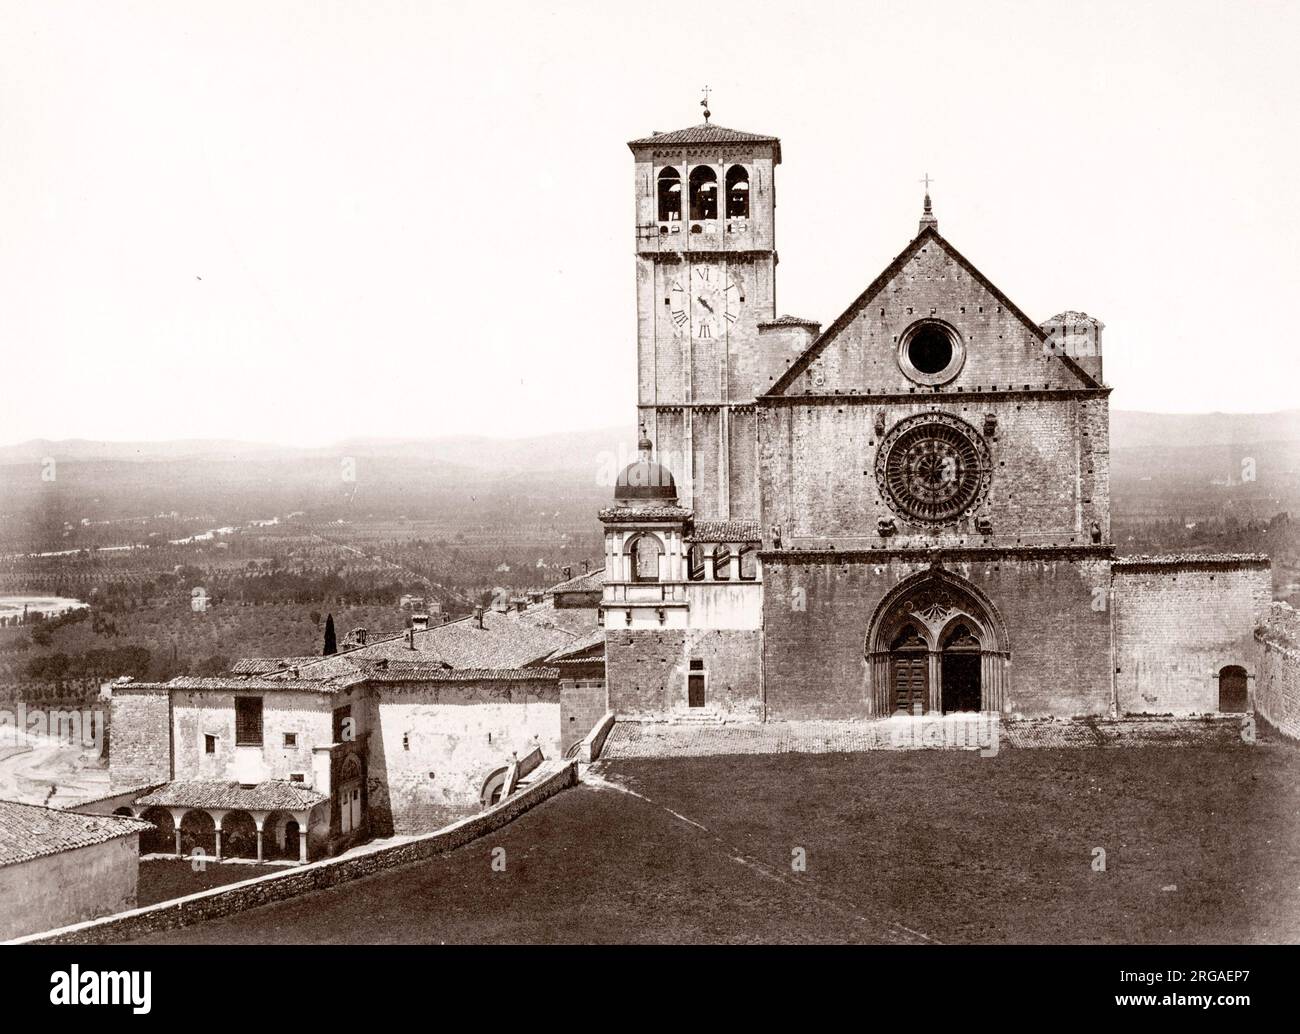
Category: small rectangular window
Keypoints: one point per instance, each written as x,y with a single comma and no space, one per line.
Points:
209,744
291,739
248,721
296,777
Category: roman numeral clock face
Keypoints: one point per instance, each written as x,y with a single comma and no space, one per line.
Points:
703,302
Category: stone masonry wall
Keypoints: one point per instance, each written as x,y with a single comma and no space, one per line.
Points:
581,707
1049,482
817,612
1178,622
139,751
1277,690
436,745
646,671
69,887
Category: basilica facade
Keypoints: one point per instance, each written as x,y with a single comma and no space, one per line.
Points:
905,512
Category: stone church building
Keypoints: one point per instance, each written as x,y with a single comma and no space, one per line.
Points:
908,511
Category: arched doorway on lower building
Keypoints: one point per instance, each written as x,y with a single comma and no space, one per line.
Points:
936,644
1233,689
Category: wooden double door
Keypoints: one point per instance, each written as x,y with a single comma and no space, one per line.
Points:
959,674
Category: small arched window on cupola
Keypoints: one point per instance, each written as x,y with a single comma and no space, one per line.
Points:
737,192
670,195
644,552
704,194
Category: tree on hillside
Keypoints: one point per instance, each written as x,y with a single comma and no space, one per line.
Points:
331,645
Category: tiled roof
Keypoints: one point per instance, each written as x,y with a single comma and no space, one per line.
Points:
594,638
618,514
268,796
725,531
241,683
432,671
704,133
508,640
789,321
132,792
28,831
592,581
266,665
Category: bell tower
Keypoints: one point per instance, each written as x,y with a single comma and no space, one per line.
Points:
706,283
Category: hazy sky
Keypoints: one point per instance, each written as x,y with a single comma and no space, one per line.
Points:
300,222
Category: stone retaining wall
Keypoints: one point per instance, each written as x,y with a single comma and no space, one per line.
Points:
1277,690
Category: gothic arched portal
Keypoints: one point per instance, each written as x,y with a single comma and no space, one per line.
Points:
936,644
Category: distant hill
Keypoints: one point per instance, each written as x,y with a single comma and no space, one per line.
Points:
1161,464
576,451
1137,430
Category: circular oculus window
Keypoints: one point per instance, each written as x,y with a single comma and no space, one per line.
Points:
931,352
933,468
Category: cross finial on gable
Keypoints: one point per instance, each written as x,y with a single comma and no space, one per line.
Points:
927,212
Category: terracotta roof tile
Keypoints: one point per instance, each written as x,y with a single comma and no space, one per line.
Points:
266,665
704,133
267,796
592,581
725,531
29,831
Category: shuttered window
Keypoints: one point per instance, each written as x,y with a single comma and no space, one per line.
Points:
248,721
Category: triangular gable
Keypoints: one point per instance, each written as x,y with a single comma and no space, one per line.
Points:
927,235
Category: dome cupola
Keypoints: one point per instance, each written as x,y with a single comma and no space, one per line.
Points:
645,482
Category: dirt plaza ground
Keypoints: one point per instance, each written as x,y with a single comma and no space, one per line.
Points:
1199,835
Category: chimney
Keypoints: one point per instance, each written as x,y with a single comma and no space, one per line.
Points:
519,603
410,638
586,567
568,572
382,664
478,616
419,622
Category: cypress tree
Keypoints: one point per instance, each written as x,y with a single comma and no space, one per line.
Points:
331,646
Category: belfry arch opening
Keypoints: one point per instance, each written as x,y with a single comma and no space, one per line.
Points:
670,195
936,644
737,192
704,194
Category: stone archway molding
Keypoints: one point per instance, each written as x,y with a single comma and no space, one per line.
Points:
935,601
